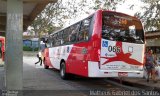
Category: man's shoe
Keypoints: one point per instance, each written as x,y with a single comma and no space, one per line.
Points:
147,80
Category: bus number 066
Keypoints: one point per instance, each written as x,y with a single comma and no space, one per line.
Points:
114,49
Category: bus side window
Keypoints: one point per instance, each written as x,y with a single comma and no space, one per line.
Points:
53,40
47,44
83,35
60,39
72,36
84,31
57,39
66,36
74,30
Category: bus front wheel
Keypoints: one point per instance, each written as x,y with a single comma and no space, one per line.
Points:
63,73
45,66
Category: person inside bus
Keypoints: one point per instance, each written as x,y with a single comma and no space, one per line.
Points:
80,36
105,32
85,35
39,56
72,37
150,64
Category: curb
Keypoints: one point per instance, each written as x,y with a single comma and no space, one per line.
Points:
1,65
138,85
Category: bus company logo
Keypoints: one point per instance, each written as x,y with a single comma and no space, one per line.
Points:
105,44
110,55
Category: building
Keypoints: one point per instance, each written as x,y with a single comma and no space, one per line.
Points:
31,44
153,41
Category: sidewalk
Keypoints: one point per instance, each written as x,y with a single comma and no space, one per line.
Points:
1,78
140,83
2,83
30,53
1,63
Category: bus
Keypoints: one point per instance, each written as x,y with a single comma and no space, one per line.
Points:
105,44
2,47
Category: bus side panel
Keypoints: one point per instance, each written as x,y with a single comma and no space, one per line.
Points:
83,52
96,37
46,57
54,55
76,61
65,51
57,54
2,40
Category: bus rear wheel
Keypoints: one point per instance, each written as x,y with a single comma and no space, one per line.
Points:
63,73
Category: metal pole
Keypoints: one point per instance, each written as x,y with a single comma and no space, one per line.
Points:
14,53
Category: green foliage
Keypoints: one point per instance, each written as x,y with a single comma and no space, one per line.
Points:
36,49
47,21
27,48
106,4
54,16
151,15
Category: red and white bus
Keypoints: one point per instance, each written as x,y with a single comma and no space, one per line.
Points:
2,47
105,44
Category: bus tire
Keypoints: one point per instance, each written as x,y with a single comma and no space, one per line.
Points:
45,66
63,73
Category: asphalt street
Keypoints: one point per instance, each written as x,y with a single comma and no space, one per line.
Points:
38,79
2,78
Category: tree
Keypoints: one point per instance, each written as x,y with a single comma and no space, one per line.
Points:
106,4
55,15
151,15
48,20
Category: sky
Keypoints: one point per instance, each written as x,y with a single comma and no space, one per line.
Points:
125,7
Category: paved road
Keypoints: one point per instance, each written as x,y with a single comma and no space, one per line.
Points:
38,81
37,78
1,77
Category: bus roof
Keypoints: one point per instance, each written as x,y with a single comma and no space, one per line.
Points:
119,13
93,14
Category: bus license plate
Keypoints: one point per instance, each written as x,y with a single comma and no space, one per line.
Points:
122,74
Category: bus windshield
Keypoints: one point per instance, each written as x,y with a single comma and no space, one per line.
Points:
120,27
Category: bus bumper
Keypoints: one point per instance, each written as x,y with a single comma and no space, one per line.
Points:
94,71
